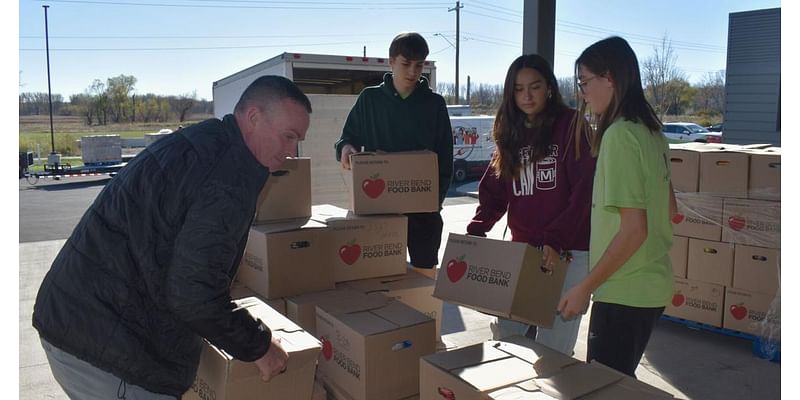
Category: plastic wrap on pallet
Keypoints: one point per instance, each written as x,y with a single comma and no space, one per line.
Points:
729,221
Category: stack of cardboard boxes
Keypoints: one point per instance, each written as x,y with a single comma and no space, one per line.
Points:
726,248
335,286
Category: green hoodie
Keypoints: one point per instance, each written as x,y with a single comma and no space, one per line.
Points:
382,120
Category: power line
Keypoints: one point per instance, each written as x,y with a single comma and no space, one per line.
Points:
198,48
489,16
310,5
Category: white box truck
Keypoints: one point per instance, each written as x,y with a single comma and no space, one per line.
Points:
332,83
472,145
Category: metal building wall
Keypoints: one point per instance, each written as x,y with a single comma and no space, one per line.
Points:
752,84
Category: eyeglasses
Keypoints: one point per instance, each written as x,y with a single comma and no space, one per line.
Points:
582,84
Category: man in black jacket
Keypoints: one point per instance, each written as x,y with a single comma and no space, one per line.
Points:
145,275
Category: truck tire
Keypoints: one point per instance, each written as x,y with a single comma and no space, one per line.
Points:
460,172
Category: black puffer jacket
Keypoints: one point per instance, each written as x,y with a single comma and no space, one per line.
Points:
146,272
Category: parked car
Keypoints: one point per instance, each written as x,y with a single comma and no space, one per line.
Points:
679,132
715,128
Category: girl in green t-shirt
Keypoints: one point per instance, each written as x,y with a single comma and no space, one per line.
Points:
632,201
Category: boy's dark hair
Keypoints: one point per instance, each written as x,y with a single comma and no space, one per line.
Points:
410,45
269,88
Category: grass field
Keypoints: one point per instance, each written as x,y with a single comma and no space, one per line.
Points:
35,129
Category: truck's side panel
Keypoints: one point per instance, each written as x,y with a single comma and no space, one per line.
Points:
227,93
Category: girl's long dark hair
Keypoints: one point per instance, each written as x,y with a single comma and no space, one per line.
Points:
509,121
614,57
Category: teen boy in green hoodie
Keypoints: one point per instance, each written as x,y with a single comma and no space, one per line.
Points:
404,114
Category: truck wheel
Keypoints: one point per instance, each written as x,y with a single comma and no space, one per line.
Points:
460,173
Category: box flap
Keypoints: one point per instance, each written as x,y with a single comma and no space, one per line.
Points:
527,390
495,374
301,347
343,294
545,360
578,380
627,388
288,225
401,314
354,303
466,356
325,212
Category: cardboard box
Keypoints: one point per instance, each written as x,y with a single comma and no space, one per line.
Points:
287,193
412,288
710,262
394,183
471,372
302,309
724,171
240,291
507,275
518,368
757,269
697,301
364,247
679,255
753,313
765,174
287,258
752,222
371,348
684,169
221,377
319,392
699,216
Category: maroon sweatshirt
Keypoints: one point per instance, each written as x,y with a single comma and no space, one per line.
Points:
549,203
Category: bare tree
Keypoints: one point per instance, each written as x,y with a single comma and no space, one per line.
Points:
710,97
657,72
183,103
566,86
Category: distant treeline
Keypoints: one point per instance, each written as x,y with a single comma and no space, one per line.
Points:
114,101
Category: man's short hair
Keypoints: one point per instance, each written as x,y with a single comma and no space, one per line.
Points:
410,45
269,88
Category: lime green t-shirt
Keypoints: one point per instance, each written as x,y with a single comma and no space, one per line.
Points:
633,172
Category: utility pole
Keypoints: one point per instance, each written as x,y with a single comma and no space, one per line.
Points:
467,89
49,92
457,9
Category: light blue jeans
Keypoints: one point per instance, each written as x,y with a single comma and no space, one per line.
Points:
564,333
83,381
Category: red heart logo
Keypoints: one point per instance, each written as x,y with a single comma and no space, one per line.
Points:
678,299
456,269
327,348
677,218
373,187
737,223
350,253
738,311
447,393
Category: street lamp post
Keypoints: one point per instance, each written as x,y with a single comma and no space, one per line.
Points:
54,158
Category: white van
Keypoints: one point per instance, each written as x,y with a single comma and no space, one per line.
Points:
472,145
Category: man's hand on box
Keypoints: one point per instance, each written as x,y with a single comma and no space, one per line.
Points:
274,361
347,150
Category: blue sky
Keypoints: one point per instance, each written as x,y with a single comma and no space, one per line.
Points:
181,46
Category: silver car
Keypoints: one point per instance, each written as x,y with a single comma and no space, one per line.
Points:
680,132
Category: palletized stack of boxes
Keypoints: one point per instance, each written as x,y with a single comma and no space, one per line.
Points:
726,248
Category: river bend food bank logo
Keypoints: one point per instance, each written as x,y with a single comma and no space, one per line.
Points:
374,186
351,252
458,268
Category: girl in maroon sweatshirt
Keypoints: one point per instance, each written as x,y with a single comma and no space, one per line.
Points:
541,174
